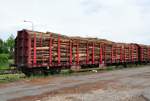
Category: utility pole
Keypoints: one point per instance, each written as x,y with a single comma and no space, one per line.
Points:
31,24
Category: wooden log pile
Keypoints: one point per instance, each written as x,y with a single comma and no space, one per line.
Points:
81,45
144,52
78,49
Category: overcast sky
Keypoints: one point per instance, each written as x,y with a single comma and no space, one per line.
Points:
116,20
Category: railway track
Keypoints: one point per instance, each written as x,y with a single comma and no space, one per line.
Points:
8,71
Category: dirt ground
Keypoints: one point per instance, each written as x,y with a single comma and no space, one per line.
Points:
131,84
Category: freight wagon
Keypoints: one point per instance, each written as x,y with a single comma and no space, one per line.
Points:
38,52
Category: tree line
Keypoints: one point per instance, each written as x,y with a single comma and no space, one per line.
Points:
7,49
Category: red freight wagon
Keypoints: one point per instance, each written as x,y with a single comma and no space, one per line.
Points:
118,53
149,53
131,53
144,53
46,51
134,53
37,52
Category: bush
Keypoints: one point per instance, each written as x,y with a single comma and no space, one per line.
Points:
4,58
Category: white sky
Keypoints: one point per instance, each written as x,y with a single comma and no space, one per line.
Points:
116,20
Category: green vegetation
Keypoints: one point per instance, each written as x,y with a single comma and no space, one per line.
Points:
6,52
4,61
5,78
110,68
3,58
4,66
66,72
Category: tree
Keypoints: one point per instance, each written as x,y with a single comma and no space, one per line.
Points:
1,46
3,54
3,58
10,42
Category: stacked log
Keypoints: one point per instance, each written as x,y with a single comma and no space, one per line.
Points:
120,52
134,52
38,48
77,44
78,49
144,52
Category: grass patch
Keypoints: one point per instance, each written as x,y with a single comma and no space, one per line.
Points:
66,72
4,66
110,68
5,78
